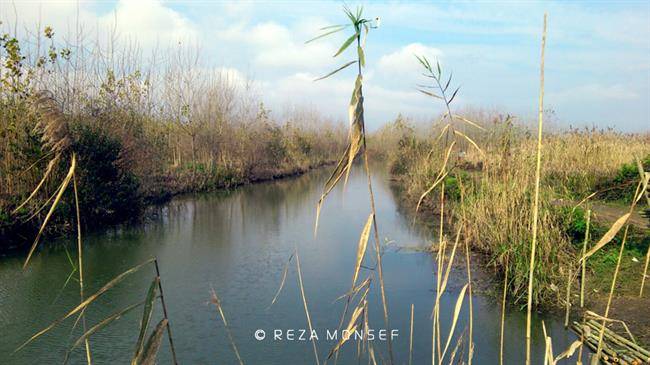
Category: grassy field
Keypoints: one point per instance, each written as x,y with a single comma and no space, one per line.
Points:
496,182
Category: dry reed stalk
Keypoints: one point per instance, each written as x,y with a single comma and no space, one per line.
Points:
80,264
166,317
304,302
411,336
536,202
435,340
568,299
582,339
457,309
217,303
361,251
611,294
503,312
380,270
645,272
645,176
471,307
583,274
357,142
548,347
284,278
57,199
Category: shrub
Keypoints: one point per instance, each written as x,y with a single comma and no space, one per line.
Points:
108,192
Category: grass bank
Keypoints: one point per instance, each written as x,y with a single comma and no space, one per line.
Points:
139,132
489,192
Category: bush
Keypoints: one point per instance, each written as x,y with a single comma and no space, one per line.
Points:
108,192
626,179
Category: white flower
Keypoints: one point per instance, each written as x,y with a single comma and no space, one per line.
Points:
377,22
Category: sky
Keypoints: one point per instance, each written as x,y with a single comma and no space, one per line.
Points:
597,69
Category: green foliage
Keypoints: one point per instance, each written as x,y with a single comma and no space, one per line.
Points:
574,223
452,184
108,192
625,181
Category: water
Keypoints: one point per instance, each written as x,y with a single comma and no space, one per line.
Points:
238,244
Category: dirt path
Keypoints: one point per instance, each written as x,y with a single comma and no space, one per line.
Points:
631,311
609,213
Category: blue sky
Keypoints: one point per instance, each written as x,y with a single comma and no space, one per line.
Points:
597,65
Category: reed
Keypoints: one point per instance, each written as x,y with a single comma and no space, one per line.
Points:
217,303
304,302
411,336
538,168
503,313
356,139
583,273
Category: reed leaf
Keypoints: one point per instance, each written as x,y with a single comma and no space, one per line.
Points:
347,43
99,326
153,344
87,301
430,94
48,171
217,303
356,136
351,327
568,352
611,233
284,278
361,250
337,70
443,285
441,176
471,141
457,308
61,190
335,29
452,95
146,318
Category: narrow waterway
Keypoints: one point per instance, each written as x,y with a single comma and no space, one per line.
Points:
238,244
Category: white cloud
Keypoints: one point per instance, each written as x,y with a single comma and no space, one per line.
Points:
403,62
150,22
492,50
269,44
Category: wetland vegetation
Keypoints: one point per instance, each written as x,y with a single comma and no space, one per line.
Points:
558,218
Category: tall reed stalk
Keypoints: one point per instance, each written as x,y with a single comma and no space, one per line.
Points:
583,268
357,140
538,168
80,264
304,302
503,312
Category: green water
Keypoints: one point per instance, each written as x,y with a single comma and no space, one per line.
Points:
238,244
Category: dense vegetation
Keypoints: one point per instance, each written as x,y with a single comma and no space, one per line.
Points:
496,183
141,132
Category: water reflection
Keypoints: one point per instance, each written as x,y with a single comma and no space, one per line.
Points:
238,243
